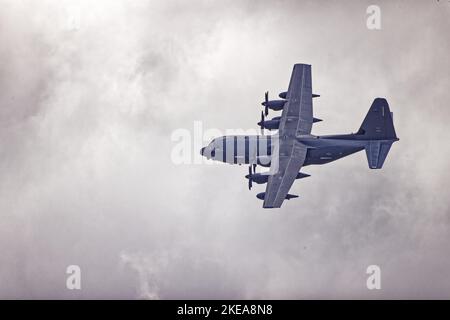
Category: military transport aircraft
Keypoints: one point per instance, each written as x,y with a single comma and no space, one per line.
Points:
294,147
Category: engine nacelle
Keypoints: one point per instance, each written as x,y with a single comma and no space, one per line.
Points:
261,196
258,178
275,105
283,95
275,123
270,124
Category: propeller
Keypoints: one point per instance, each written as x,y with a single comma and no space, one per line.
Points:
250,178
250,173
261,123
266,105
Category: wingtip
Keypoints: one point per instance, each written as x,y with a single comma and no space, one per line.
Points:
301,64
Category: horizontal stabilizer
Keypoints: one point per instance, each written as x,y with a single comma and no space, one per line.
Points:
377,152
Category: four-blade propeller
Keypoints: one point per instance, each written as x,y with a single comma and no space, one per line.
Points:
261,123
250,173
266,104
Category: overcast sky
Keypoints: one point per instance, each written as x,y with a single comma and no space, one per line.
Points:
91,91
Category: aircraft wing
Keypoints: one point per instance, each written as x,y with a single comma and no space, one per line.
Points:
289,155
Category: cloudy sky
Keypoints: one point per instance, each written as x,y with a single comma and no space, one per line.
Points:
91,92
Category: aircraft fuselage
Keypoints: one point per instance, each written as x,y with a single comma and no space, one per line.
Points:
258,149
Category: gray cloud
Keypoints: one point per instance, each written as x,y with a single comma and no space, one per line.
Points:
91,92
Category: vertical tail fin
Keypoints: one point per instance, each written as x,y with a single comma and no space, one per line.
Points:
378,122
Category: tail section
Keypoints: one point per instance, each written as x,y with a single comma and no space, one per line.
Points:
378,122
378,128
377,152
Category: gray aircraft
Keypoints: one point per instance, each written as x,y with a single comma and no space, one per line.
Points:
294,147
